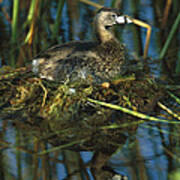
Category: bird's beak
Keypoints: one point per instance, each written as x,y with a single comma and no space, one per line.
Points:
123,20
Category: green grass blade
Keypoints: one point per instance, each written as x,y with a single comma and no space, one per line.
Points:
62,146
57,21
133,113
174,97
171,34
31,11
115,126
14,26
14,21
96,5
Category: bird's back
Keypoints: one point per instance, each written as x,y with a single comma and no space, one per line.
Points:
79,60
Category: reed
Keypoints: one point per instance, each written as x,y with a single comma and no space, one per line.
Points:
133,113
32,18
166,13
30,28
57,20
170,37
18,156
57,148
96,5
14,30
14,21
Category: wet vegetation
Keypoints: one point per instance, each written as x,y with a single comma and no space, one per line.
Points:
50,123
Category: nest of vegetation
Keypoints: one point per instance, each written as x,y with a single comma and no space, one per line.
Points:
64,114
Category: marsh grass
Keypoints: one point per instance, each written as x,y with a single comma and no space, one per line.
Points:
36,30
27,28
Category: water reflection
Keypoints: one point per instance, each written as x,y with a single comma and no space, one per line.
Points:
142,157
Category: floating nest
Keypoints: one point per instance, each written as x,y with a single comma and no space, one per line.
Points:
66,116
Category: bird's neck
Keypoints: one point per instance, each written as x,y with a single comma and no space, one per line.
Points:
102,34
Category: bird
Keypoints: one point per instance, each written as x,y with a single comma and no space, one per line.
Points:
98,60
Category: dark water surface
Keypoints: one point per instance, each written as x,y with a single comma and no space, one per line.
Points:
152,153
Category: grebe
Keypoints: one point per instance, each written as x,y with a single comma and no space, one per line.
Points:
99,60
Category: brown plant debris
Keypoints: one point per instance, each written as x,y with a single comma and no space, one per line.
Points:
61,114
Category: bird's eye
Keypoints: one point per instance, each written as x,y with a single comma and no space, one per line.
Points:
113,15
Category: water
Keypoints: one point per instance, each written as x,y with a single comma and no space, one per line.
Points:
148,154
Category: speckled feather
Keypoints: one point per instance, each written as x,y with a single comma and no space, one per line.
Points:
101,60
